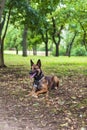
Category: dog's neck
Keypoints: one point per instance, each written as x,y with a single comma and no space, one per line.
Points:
39,77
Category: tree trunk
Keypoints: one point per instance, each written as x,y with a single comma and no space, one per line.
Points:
84,40
46,44
24,42
1,42
45,40
46,48
56,34
2,39
1,54
16,47
69,47
2,3
84,35
57,50
34,49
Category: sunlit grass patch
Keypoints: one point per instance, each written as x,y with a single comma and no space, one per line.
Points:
51,65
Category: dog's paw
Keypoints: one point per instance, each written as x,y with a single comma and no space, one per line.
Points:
34,95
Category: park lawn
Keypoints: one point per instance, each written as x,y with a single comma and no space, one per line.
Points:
66,107
51,65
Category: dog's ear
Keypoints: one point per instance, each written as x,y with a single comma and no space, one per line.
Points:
31,62
39,63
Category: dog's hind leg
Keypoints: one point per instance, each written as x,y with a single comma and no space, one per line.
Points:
55,82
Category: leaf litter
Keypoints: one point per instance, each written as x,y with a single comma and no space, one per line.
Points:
65,108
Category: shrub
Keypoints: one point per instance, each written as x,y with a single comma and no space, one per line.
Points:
62,51
79,51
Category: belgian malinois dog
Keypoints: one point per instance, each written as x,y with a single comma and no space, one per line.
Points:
41,83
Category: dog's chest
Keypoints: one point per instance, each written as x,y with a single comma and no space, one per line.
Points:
36,85
45,81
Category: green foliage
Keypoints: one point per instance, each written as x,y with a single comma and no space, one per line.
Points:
41,47
38,17
79,51
13,38
62,51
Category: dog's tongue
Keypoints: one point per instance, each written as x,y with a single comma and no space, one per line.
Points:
31,76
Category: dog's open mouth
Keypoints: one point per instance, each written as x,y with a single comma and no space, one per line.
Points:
32,75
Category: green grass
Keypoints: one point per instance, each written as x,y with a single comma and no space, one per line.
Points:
51,65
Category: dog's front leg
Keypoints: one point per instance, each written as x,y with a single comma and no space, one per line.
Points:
44,90
32,92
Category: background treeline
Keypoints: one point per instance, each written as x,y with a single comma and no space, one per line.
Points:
59,26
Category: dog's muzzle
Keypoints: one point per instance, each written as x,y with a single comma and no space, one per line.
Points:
32,73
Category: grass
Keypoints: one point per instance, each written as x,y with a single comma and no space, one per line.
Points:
51,65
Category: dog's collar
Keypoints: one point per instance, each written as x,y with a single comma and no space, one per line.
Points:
39,77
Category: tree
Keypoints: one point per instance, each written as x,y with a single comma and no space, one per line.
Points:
3,37
43,27
56,34
69,45
19,8
57,30
3,26
30,20
13,38
47,18
24,41
2,4
44,34
78,18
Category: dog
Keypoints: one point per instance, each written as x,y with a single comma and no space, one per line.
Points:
41,84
